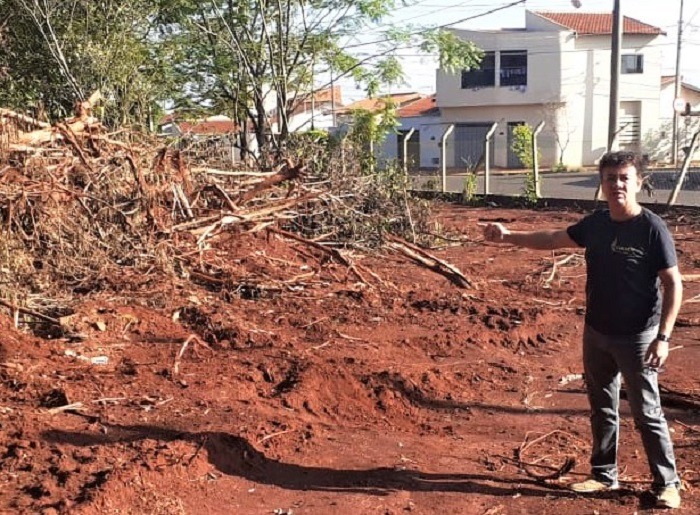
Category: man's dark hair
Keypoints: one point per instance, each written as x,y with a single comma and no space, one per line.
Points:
621,158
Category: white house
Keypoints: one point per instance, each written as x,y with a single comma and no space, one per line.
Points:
658,142
556,70
315,110
423,146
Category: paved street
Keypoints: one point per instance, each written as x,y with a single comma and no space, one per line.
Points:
578,185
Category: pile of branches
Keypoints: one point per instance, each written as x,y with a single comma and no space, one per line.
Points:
80,206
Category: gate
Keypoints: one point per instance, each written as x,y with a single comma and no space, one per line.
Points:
469,144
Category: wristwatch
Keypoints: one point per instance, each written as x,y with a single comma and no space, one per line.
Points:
663,338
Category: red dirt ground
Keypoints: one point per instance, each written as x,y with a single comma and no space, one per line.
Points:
325,395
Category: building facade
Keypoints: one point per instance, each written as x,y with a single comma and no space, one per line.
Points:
556,70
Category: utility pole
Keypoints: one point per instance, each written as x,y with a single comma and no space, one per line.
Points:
677,90
616,44
615,47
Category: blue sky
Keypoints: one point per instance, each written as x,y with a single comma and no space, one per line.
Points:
420,69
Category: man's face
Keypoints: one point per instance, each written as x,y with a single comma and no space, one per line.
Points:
620,184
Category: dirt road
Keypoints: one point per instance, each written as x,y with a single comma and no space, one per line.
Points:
387,392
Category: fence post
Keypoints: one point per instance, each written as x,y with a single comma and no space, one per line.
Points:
443,164
535,160
686,164
487,157
407,137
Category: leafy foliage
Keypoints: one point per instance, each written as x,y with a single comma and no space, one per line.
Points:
469,187
530,189
522,144
58,52
365,204
253,60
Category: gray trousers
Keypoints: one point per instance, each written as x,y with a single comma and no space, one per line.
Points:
605,359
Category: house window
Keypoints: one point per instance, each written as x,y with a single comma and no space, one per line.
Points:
483,76
632,63
513,70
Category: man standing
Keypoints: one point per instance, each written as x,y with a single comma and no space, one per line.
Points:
629,319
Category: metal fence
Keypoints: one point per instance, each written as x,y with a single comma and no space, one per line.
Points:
671,186
567,185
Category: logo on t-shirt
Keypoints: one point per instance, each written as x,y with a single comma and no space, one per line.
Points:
631,252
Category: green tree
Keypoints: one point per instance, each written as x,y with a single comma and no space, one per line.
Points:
253,59
369,128
57,52
259,58
522,144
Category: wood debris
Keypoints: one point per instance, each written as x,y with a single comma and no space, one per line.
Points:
81,205
541,466
432,262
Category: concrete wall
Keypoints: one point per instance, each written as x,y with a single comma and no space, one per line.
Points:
322,118
543,78
537,23
586,90
568,86
431,129
658,141
530,114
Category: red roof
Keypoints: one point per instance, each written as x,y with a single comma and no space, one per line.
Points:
375,104
324,95
424,106
597,23
208,127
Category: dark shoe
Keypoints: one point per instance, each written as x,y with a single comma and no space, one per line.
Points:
590,486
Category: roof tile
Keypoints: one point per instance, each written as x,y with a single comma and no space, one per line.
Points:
597,23
375,104
422,107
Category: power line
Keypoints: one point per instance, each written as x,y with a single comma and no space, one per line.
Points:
460,5
443,26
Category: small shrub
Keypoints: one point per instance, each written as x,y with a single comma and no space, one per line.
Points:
522,145
560,168
469,186
529,189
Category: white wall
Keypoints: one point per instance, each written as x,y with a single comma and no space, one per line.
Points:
323,118
534,22
530,114
543,63
586,88
431,129
568,86
658,140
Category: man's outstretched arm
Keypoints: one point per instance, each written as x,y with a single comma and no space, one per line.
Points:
538,240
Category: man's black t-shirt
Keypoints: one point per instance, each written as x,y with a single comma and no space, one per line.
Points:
623,260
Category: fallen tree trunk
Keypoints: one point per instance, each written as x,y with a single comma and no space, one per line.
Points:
433,263
334,253
12,115
287,173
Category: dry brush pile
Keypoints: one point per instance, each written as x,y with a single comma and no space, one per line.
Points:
81,208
